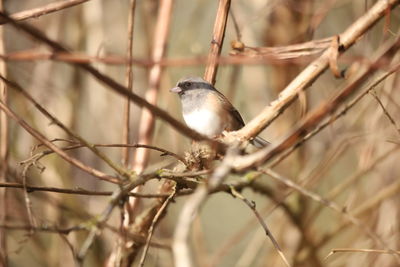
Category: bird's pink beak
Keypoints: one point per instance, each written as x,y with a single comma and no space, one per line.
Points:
175,90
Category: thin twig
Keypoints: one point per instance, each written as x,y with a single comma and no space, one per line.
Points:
119,169
129,83
362,250
28,203
350,36
4,148
368,206
101,219
45,228
59,151
44,10
279,55
30,189
217,40
147,118
108,81
119,194
339,114
385,111
252,206
180,247
153,223
327,203
315,116
164,152
340,187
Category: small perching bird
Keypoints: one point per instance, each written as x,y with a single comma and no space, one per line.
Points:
207,110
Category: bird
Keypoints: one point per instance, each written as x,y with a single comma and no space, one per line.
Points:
208,111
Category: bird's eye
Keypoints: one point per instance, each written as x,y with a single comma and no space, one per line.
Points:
188,84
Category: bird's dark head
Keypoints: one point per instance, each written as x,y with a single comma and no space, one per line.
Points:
191,83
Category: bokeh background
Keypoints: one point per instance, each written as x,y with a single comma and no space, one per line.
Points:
361,148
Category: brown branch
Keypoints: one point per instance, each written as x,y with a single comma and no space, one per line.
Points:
318,114
350,36
340,114
44,10
4,148
129,82
362,250
372,203
30,189
28,203
120,170
66,231
164,152
116,197
252,206
309,48
180,246
330,204
280,56
153,223
49,229
217,40
108,81
147,118
387,114
101,219
346,183
40,137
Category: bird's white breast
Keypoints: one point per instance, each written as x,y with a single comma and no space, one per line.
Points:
204,121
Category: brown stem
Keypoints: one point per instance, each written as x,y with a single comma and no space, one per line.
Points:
3,152
112,84
217,40
147,120
129,80
44,10
120,170
350,36
318,114
56,149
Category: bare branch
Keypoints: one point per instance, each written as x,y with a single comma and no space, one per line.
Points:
181,250
112,84
351,35
44,10
129,82
318,114
252,206
4,149
59,151
217,40
362,250
120,170
30,188
153,223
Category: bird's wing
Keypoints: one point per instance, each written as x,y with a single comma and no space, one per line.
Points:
257,141
231,109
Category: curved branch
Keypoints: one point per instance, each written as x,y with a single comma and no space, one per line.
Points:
108,81
315,69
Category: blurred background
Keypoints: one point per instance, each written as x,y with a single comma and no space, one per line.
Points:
359,151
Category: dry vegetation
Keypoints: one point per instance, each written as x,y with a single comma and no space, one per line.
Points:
97,168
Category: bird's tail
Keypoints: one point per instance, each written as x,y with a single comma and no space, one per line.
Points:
259,142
